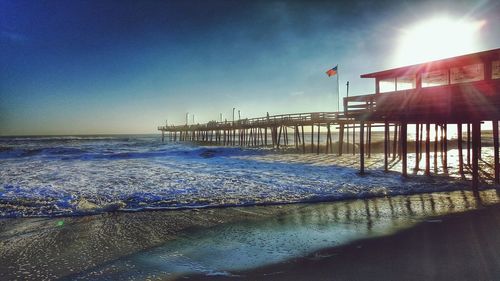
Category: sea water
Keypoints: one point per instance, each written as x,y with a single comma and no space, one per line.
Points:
78,175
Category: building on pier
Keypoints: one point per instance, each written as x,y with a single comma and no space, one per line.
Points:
451,90
459,90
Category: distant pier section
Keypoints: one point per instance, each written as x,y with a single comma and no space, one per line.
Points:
462,91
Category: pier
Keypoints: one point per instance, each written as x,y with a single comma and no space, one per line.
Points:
463,92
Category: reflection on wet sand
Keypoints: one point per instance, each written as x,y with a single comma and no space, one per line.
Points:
280,233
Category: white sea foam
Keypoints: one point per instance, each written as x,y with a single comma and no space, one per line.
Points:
67,175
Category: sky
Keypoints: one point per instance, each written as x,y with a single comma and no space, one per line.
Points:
111,67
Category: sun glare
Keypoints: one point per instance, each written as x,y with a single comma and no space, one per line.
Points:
437,38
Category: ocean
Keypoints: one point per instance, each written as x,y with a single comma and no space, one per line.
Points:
81,175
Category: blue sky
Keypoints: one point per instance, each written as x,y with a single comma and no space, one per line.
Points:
97,67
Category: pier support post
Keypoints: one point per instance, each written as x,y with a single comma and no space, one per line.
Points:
348,143
404,148
251,141
369,139
328,138
317,141
427,149
386,146
417,146
460,149
395,143
297,130
495,151
285,135
480,144
341,138
400,142
331,143
445,147
353,139
279,138
420,140
303,140
250,137
262,142
312,138
256,137
296,137
468,144
436,131
362,148
274,135
476,139
162,136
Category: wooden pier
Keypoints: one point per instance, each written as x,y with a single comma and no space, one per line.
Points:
272,131
461,91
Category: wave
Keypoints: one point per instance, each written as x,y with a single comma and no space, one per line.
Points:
106,153
48,201
64,138
12,152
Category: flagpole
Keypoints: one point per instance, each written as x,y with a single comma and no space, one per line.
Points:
338,90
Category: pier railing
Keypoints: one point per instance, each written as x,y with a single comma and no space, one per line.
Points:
266,121
358,106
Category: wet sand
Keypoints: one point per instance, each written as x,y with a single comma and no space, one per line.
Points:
52,248
282,242
462,246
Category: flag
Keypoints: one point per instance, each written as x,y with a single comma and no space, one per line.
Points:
332,71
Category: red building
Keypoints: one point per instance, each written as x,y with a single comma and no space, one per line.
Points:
454,90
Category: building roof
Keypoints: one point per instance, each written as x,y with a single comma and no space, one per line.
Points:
437,64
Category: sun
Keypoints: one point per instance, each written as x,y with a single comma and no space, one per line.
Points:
437,38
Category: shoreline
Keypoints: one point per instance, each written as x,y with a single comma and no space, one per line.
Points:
177,244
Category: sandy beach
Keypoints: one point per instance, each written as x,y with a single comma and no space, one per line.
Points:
392,238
